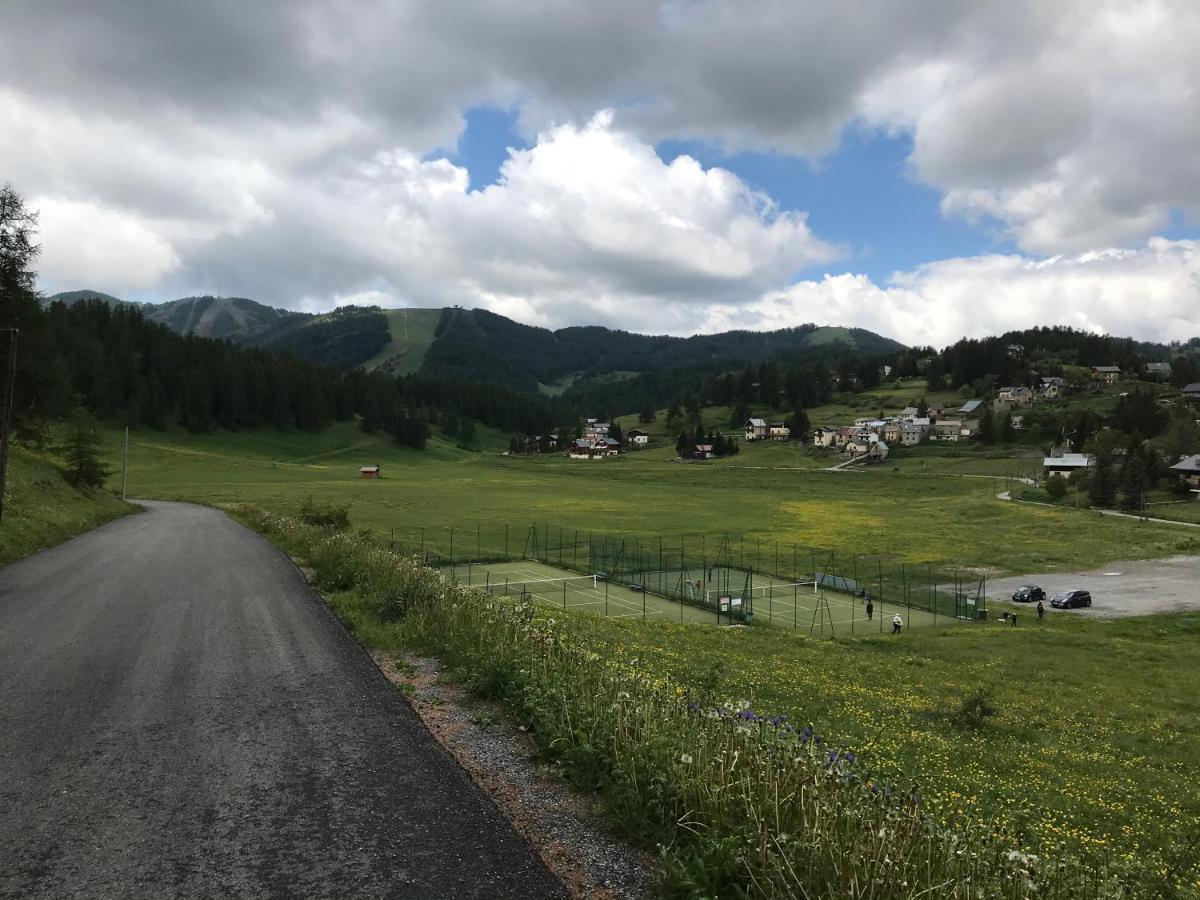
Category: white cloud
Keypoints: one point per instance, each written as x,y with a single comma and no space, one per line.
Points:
85,244
281,149
1152,293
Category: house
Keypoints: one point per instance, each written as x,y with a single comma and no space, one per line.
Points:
777,431
824,437
969,430
1192,391
1018,395
857,447
1063,466
1158,369
1051,388
935,411
909,412
891,432
878,452
370,472
912,434
704,451
581,449
947,430
756,429
1187,470
1106,374
594,448
637,437
971,407
843,435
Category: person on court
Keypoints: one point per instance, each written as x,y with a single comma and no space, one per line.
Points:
897,623
870,608
1041,609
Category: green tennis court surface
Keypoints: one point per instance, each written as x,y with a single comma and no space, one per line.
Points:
775,602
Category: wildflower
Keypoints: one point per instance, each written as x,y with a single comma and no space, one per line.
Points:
685,758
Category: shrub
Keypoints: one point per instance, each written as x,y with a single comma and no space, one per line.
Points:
1056,488
325,515
974,710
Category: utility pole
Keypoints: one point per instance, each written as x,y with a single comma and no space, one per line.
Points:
10,387
125,466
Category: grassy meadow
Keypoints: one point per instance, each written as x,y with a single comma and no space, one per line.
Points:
916,510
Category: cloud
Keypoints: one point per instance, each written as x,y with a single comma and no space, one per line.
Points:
287,148
1152,293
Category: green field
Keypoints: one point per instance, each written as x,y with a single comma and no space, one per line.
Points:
909,516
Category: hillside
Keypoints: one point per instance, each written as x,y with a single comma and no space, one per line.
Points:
475,345
480,346
42,509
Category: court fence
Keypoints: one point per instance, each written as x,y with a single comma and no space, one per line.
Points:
730,575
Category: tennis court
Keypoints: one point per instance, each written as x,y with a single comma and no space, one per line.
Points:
791,605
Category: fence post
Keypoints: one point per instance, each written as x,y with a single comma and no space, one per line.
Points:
478,544
506,556
451,548
606,598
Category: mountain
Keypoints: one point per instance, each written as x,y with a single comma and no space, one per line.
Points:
478,346
72,297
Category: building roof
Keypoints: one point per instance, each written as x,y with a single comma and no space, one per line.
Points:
757,423
704,448
1068,461
1187,464
369,469
612,442
1115,369
634,432
970,406
880,445
1158,367
1193,388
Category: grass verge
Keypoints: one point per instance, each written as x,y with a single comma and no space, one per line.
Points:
41,509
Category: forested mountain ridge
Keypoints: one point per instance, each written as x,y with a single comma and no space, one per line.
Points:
476,345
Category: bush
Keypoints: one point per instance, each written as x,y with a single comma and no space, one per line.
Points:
974,710
1056,487
325,516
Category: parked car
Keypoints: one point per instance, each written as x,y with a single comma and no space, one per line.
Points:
1028,593
1071,599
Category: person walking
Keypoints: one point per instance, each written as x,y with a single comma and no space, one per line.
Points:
870,608
1013,621
897,623
1041,609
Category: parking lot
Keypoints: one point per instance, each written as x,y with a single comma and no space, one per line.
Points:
1133,588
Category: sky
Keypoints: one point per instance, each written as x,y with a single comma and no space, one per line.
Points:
928,170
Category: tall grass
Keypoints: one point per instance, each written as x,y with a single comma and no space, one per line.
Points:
741,804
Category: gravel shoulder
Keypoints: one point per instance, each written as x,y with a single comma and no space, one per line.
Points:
1123,588
182,716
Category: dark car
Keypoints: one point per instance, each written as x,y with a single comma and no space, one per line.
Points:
1028,593
1071,599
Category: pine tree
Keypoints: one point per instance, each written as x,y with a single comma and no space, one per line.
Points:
799,425
1102,486
1134,480
81,449
648,413
1008,433
987,425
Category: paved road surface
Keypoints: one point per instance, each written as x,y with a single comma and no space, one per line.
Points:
1130,588
181,716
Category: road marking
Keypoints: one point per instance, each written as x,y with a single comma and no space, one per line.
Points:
1109,574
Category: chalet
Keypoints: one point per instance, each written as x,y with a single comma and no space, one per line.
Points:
935,411
1016,396
891,432
581,449
857,447
637,437
1158,369
370,472
843,435
912,434
1051,388
1062,466
756,429
777,431
1106,374
878,452
594,448
1187,470
909,412
824,437
1192,391
947,430
704,451
971,407
596,430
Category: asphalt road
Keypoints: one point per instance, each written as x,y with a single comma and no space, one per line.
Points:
1129,588
180,715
